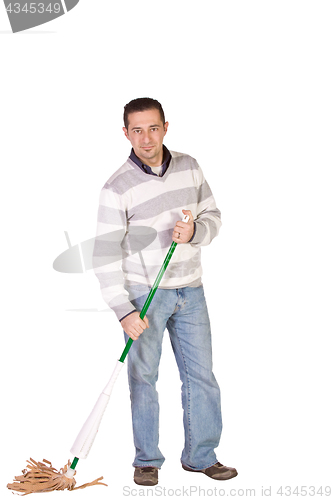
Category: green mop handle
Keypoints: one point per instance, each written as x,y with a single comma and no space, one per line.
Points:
150,296
152,291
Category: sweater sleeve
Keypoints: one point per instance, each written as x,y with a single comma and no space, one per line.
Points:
208,219
108,252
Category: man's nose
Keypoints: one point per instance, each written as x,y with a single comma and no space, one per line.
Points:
146,137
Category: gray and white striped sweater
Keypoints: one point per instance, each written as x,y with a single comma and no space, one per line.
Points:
132,198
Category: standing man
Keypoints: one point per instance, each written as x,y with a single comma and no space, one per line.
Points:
154,188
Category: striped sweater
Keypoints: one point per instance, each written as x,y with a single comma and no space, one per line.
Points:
132,200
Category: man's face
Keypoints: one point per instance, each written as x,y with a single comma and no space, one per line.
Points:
146,132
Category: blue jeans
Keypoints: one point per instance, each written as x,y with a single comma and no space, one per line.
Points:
183,312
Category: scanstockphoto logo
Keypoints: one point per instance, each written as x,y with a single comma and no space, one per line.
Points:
104,249
108,248
24,15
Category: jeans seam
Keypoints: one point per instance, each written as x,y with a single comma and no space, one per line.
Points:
202,468
188,392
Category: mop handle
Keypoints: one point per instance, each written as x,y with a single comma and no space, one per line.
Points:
153,291
86,436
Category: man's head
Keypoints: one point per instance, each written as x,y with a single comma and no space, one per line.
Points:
145,127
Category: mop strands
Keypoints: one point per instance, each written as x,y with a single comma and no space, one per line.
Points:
42,477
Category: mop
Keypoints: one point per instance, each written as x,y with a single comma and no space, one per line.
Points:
42,476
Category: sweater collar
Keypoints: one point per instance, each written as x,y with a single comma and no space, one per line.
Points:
146,168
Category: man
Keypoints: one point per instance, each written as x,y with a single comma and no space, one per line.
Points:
154,188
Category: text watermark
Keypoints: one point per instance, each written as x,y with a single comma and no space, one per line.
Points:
199,491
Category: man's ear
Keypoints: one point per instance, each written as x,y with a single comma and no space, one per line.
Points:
126,132
166,127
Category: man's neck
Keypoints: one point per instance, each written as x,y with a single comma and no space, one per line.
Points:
165,161
156,162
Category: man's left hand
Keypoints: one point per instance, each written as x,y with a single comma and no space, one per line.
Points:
183,231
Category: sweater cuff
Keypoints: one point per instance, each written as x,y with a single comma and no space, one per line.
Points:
194,231
199,233
123,310
126,315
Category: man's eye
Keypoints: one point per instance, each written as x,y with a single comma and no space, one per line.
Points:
153,129
137,131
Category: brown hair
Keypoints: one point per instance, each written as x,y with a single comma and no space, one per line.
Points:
142,104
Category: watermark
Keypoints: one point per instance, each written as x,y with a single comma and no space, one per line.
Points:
108,248
24,15
216,492
107,253
189,491
104,249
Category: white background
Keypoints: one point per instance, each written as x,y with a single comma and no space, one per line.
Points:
247,89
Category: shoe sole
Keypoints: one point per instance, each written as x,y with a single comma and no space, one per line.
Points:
145,483
212,477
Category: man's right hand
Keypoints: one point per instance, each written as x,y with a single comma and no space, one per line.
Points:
133,325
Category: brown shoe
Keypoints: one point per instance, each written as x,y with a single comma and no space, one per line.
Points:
146,476
217,471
